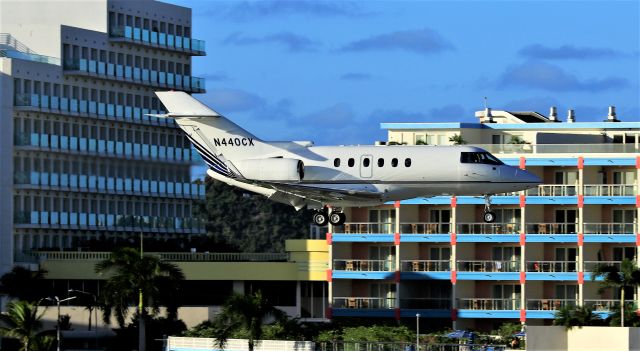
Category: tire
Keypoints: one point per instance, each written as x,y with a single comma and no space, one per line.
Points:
343,218
337,218
489,217
320,219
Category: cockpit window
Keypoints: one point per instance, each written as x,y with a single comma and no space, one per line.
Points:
479,157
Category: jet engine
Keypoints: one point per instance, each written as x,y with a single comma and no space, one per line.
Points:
272,169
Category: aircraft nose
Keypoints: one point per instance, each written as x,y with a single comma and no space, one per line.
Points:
526,177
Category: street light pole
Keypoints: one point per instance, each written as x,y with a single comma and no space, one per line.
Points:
58,301
91,308
417,331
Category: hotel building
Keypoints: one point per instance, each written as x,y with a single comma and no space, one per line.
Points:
80,156
437,258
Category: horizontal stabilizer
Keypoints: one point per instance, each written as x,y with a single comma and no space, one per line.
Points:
181,104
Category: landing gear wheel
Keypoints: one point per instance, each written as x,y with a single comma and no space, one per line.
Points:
489,217
337,218
320,219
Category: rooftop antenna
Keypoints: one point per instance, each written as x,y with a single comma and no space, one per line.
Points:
485,103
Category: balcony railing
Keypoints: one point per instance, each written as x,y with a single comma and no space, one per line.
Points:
100,221
90,108
369,228
488,304
489,266
425,228
158,39
364,302
609,228
365,265
107,185
553,190
488,228
108,148
609,190
589,266
135,75
552,266
550,304
558,148
552,228
426,265
604,305
426,303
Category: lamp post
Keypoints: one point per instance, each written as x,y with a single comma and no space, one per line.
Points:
91,307
417,331
58,301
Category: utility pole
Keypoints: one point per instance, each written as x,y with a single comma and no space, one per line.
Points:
417,331
58,301
141,332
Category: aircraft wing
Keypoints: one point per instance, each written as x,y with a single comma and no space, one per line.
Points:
325,195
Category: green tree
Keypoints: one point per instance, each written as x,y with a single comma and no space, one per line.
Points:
144,279
248,312
22,321
517,140
622,277
457,139
580,316
23,284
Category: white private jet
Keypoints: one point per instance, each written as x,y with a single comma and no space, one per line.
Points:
322,177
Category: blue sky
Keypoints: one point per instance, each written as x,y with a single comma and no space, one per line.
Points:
332,71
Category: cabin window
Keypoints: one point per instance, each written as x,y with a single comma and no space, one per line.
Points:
380,162
394,162
366,162
479,157
351,162
336,162
407,162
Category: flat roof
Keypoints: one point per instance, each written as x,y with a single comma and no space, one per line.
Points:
507,126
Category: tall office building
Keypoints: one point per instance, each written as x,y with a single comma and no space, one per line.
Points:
437,258
80,157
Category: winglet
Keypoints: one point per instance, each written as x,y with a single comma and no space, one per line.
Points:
181,104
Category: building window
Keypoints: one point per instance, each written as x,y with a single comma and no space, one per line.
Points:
336,162
407,162
351,162
394,162
380,162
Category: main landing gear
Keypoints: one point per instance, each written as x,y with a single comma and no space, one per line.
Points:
489,216
323,217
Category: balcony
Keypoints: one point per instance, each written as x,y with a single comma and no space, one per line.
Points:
553,190
369,228
488,266
425,228
551,228
134,75
107,222
551,266
488,228
157,40
489,304
426,303
364,265
106,185
609,190
609,228
106,148
589,266
498,149
89,108
364,302
426,265
550,304
603,305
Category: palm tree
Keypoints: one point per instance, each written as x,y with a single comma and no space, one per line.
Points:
572,316
23,284
627,275
147,279
247,312
456,139
22,322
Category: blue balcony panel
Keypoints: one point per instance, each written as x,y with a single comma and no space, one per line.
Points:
355,238
513,314
610,200
610,238
552,238
567,161
488,276
425,238
488,238
425,275
552,200
411,313
363,275
556,276
354,312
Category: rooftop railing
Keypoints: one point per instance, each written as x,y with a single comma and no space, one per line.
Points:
167,256
558,148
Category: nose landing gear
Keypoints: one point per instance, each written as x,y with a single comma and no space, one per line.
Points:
489,216
323,217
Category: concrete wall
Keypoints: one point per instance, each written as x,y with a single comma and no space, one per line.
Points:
585,338
6,160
